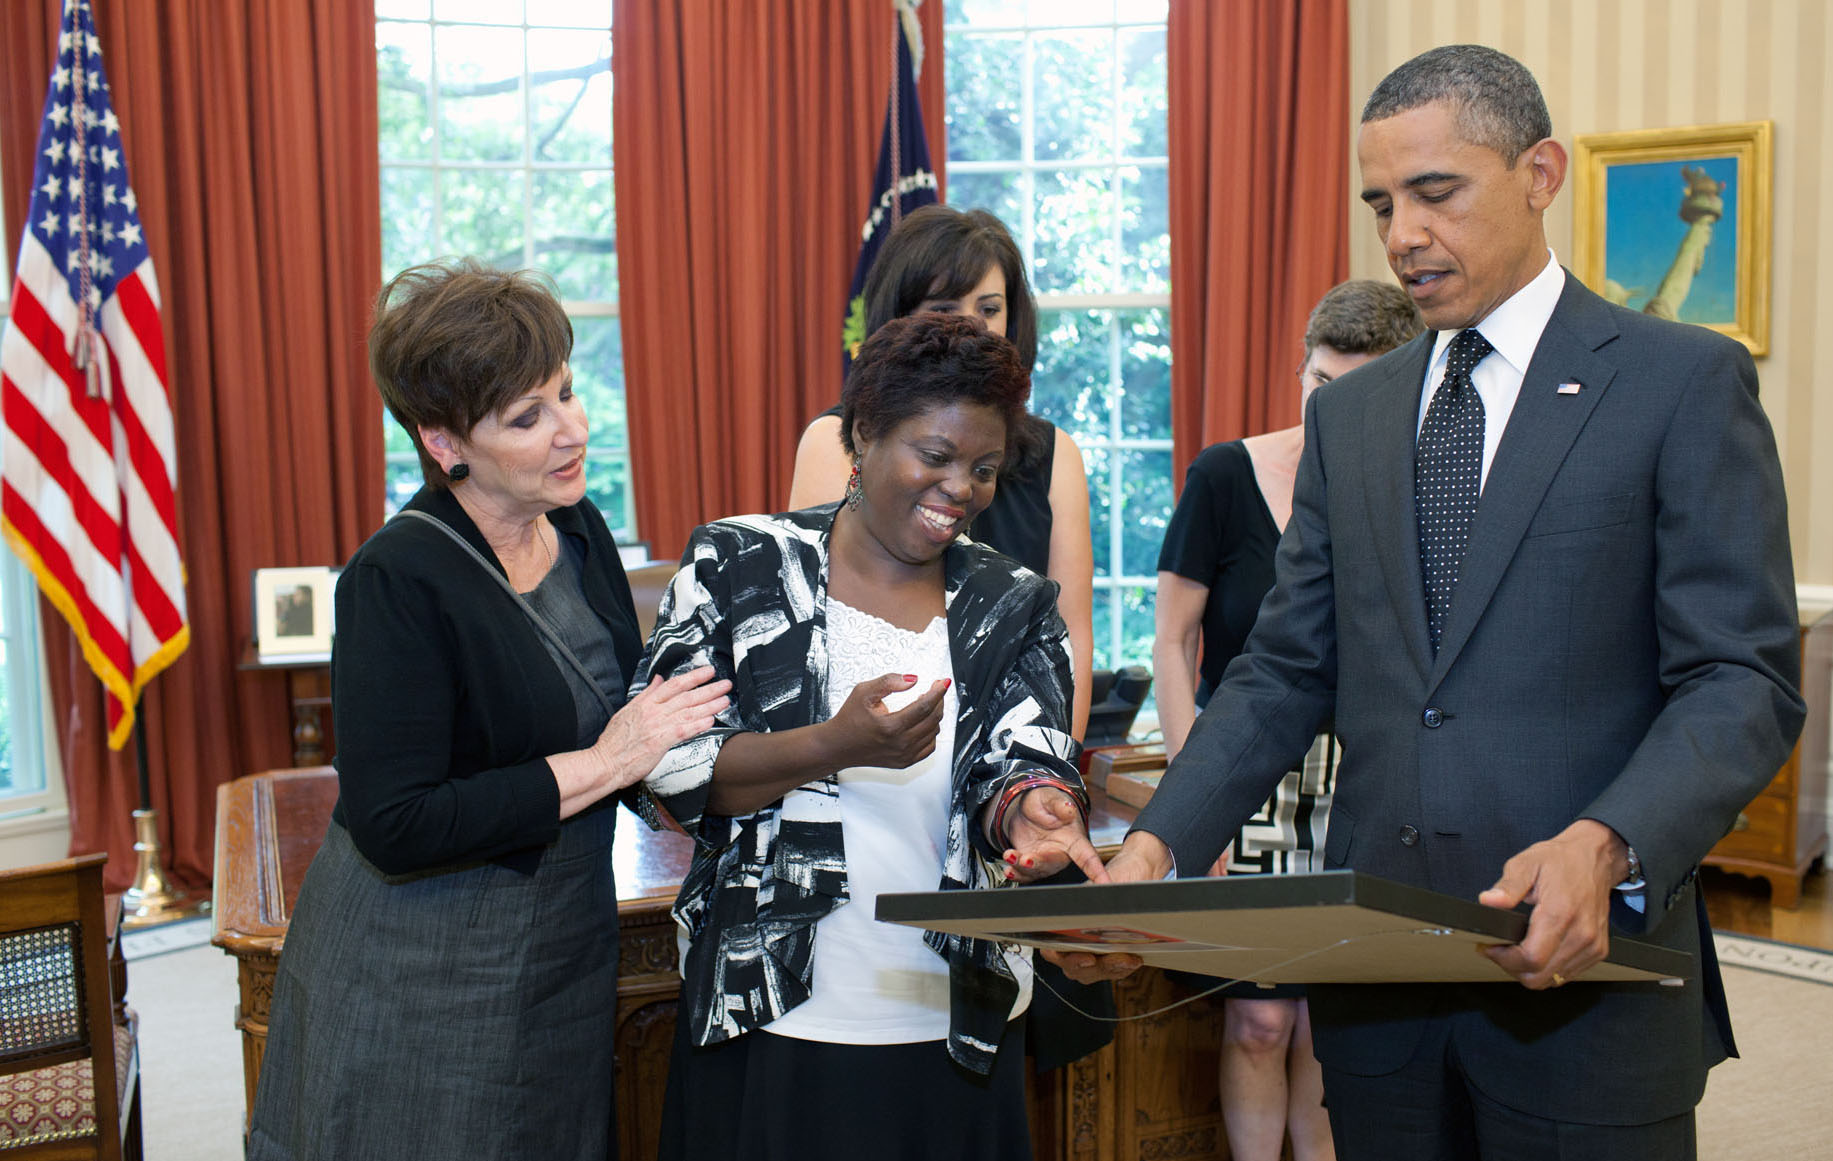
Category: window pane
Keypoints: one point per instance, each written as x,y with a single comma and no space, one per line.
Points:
407,218
404,70
1100,514
1104,628
576,233
1000,194
401,481
1074,249
570,96
1136,610
608,486
395,441
1061,12
480,93
1143,94
995,12
481,215
1146,508
405,9
1073,96
1070,384
1145,373
480,11
985,90
598,379
1142,11
1145,231
7,785
570,13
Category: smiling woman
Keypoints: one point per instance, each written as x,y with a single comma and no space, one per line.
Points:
900,722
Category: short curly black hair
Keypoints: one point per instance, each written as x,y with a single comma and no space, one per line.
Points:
913,365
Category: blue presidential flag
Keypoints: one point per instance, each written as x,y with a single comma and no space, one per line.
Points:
903,180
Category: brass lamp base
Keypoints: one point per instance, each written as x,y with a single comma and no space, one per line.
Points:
154,899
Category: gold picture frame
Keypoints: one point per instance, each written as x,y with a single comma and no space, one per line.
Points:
1678,220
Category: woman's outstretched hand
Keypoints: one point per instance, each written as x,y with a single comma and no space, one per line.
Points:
1047,834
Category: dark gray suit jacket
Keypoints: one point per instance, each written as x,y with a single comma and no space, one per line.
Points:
1621,646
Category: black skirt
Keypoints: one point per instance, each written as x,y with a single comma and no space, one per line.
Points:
762,1097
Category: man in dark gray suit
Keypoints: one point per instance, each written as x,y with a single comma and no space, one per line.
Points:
1543,577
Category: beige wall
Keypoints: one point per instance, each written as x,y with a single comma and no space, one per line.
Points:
1631,64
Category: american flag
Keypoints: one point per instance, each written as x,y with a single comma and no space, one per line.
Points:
89,465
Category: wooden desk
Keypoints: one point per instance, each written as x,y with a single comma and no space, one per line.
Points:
308,693
1152,1093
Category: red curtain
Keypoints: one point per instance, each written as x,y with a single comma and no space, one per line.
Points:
249,133
1259,140
746,137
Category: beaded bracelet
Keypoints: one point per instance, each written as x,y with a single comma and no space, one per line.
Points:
1032,780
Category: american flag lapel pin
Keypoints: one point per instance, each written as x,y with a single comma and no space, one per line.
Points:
1567,389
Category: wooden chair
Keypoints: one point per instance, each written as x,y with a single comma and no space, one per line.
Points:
69,1070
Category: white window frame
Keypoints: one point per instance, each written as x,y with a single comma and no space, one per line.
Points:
44,811
29,709
1109,588
606,458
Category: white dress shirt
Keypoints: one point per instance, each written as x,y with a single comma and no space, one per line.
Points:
1514,330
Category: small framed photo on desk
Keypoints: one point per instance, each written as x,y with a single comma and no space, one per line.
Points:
293,613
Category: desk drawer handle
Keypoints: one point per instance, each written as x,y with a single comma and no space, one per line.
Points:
1743,822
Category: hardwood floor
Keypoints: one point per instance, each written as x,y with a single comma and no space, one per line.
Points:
1739,904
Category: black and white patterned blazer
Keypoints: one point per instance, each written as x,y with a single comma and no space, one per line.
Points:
750,600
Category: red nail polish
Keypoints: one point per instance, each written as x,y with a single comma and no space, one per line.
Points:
909,677
1010,857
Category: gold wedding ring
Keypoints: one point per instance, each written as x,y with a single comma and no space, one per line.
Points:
1559,981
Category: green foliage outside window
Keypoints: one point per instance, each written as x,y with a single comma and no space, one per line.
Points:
495,140
1056,123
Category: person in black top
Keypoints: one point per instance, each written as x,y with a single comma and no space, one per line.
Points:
943,259
449,986
1214,568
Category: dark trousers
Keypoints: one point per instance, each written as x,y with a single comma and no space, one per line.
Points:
1429,1111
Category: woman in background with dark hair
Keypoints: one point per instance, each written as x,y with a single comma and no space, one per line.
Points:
899,722
952,261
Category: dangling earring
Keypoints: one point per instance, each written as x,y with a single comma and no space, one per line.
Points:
853,491
458,473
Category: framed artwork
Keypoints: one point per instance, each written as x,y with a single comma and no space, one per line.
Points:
1676,223
293,613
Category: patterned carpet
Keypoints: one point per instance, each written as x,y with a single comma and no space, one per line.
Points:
149,941
1772,1102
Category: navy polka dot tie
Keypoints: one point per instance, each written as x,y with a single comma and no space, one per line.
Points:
1448,475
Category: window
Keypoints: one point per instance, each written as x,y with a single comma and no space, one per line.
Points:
495,133
25,785
1056,123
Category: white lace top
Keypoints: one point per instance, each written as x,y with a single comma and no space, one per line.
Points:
878,983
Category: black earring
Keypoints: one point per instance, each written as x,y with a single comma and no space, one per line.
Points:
459,473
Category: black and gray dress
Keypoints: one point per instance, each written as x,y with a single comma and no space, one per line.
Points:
438,995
